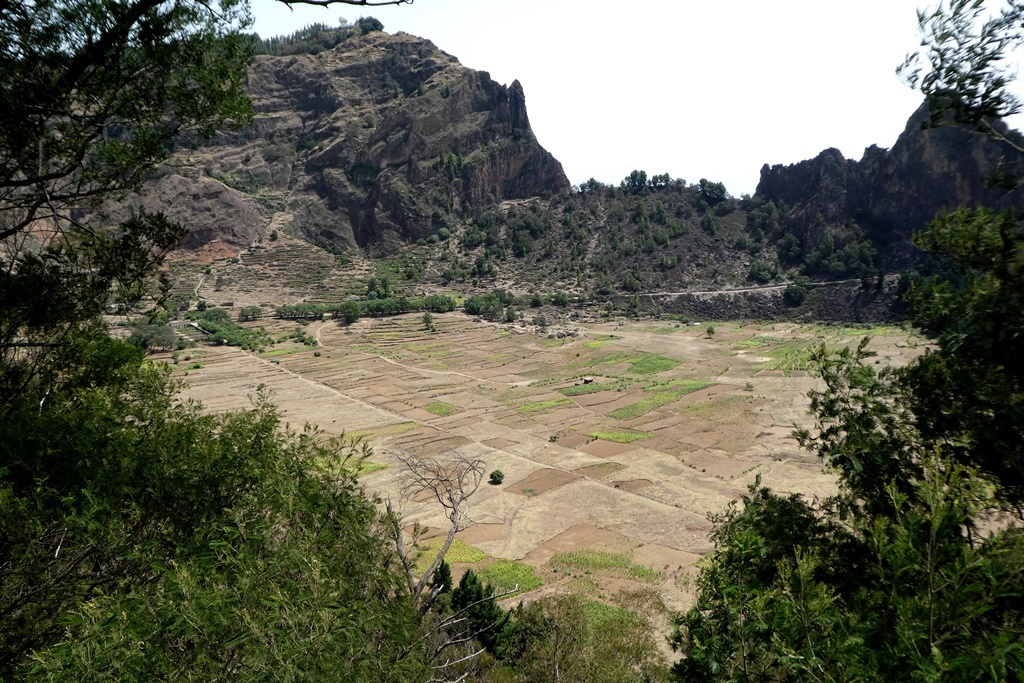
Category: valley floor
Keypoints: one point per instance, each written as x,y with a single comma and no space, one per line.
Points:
608,482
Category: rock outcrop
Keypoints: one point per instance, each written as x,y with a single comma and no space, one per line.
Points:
890,194
382,140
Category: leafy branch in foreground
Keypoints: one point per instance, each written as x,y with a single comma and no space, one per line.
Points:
913,571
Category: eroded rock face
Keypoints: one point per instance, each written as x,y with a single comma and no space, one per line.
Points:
377,142
893,193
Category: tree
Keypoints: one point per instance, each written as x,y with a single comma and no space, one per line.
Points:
712,193
635,182
139,537
369,24
968,52
893,578
449,482
250,313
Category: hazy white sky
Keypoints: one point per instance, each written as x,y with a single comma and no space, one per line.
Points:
694,89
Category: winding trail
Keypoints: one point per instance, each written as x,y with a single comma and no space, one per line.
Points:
758,288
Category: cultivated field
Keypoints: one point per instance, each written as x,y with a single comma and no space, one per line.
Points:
607,483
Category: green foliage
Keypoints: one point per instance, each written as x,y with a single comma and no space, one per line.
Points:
160,525
496,477
795,294
712,193
761,272
613,564
309,40
891,579
222,330
635,182
538,406
569,638
621,436
649,364
490,306
147,336
439,303
250,313
369,24
441,409
508,575
969,393
348,311
483,617
662,396
968,64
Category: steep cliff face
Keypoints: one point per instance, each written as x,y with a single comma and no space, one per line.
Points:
382,140
890,194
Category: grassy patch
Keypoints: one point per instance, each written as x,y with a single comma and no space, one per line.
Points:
544,405
551,342
877,331
611,359
788,358
597,561
662,396
442,409
600,615
592,388
546,382
649,364
595,344
368,467
758,342
459,551
386,430
505,575
621,436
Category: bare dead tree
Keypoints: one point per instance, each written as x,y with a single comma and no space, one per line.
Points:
448,481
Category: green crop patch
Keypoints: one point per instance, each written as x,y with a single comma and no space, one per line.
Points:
601,562
551,342
459,551
621,436
505,575
612,359
650,365
544,405
592,388
789,358
386,430
442,409
662,396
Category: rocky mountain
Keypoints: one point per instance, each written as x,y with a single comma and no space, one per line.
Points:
388,153
890,194
381,140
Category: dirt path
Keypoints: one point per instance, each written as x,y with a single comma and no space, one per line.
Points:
759,288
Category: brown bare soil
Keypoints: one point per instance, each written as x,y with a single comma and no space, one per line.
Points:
648,499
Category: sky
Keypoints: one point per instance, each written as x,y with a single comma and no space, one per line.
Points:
695,89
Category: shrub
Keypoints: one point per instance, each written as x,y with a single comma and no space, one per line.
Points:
497,476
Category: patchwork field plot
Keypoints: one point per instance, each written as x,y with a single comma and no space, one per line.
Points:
614,444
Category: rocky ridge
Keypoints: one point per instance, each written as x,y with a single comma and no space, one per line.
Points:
374,143
890,194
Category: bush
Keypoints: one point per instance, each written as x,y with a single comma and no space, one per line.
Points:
369,24
794,295
497,476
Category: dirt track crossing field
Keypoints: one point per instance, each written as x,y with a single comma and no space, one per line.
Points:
621,471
